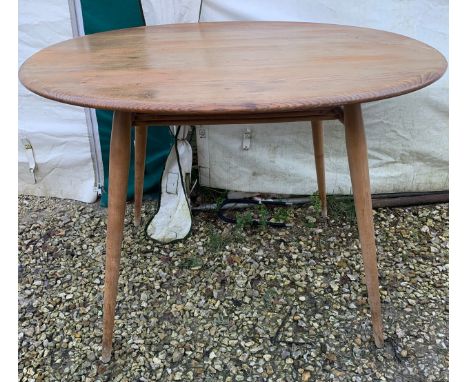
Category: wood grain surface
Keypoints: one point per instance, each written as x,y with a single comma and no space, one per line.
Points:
231,68
356,148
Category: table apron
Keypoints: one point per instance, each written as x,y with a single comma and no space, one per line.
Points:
148,119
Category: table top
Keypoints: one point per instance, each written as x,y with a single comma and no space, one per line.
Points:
231,68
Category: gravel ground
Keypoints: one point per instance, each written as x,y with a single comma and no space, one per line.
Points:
232,303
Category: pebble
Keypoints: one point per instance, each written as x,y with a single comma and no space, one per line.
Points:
91,356
223,304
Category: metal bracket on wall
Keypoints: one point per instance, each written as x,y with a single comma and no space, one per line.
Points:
30,155
246,137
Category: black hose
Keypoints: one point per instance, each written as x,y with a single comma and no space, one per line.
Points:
254,222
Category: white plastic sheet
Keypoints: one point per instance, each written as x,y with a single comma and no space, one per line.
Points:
407,136
58,133
170,11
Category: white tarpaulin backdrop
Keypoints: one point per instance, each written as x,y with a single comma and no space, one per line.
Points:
57,133
407,136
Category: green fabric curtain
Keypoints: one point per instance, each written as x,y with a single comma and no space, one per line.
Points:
105,15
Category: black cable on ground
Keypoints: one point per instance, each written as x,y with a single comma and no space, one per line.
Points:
255,222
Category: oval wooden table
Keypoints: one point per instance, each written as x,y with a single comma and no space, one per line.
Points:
236,72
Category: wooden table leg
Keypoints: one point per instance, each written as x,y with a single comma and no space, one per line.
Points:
317,136
141,133
359,170
118,178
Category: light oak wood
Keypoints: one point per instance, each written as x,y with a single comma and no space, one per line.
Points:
226,73
317,138
151,119
231,68
141,133
118,178
358,167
